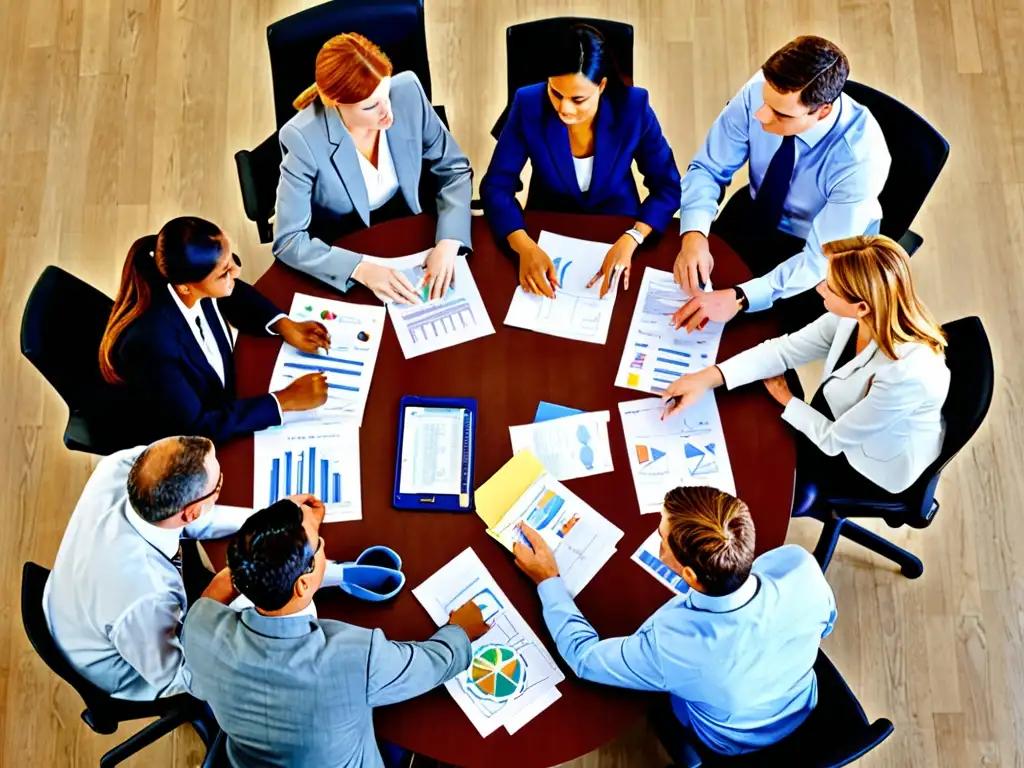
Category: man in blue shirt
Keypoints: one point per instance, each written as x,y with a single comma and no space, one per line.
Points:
817,163
736,652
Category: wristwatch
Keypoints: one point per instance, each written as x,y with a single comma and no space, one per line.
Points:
636,235
741,299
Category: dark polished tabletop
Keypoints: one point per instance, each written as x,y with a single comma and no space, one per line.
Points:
509,373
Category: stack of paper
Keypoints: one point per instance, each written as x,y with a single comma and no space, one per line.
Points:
355,331
656,354
685,449
512,677
457,318
523,492
648,557
576,312
321,459
568,446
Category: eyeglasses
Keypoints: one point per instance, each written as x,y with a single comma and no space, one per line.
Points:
214,492
312,561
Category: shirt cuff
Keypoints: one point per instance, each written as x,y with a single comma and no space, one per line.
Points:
553,592
759,294
277,317
280,413
695,221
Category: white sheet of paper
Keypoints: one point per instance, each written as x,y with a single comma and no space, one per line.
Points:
647,556
569,447
457,318
322,459
656,354
582,539
576,312
685,449
526,714
356,331
491,694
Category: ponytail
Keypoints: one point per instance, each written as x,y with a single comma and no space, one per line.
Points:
306,98
133,297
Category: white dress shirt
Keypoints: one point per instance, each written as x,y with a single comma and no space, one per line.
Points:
888,412
584,167
196,320
382,181
115,601
840,168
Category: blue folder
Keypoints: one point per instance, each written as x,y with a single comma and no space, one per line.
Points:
550,411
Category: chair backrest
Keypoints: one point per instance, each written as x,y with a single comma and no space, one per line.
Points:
525,43
396,26
971,384
61,329
33,581
836,733
918,154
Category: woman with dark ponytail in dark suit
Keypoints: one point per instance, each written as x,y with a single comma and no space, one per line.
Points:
169,340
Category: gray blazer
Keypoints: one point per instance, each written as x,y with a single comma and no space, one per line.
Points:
321,179
299,691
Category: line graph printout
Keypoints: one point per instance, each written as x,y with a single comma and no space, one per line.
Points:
576,312
355,340
457,318
685,449
656,354
512,677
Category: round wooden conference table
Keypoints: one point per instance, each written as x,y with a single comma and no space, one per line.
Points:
509,373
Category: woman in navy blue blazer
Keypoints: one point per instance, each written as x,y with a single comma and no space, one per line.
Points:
581,132
169,343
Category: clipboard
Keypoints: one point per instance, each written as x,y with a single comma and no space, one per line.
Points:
413,412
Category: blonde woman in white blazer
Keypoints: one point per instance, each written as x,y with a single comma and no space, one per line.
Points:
876,422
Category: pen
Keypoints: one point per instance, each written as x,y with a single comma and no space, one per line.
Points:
614,279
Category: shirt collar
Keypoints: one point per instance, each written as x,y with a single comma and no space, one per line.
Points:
725,603
166,540
293,625
822,127
190,313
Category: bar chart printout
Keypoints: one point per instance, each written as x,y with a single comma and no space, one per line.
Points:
321,459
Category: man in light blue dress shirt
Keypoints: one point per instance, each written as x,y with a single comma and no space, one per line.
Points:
736,652
290,689
817,163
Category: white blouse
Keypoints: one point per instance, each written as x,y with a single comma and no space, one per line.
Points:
382,181
196,321
584,171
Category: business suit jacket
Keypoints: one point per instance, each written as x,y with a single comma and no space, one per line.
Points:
171,386
321,180
888,413
299,691
626,129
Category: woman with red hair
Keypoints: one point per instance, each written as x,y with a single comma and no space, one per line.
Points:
353,157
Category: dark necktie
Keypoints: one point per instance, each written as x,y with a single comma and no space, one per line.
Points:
771,195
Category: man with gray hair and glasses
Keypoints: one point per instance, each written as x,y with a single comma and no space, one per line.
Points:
116,598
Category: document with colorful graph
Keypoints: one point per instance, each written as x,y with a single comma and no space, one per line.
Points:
512,677
576,312
356,331
648,557
568,447
582,539
457,318
656,354
685,449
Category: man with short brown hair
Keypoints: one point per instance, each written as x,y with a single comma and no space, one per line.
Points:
736,652
817,163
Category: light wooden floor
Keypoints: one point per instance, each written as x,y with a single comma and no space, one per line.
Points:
118,114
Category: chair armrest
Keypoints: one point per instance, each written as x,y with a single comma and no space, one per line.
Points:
258,172
441,113
911,241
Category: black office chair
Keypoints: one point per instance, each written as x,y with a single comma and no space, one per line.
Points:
525,43
836,733
971,382
103,713
61,328
918,154
397,26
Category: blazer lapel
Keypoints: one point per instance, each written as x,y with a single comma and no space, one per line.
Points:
186,339
606,146
407,157
556,139
213,321
858,361
346,162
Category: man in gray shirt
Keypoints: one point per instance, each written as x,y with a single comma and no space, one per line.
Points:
290,689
